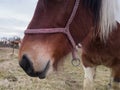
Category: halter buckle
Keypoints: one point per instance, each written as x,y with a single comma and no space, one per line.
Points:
75,62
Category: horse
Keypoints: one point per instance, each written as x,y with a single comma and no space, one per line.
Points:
94,26
15,43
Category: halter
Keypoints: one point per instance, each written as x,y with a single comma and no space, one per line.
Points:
65,31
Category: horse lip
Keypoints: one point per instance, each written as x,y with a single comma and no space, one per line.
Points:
42,74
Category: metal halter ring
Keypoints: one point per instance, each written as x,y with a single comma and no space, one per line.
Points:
75,62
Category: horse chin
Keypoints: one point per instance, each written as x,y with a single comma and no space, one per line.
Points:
43,74
48,71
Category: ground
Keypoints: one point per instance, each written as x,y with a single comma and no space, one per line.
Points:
12,77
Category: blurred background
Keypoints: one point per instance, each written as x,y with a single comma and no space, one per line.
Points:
15,16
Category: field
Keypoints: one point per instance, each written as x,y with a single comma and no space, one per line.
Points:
12,77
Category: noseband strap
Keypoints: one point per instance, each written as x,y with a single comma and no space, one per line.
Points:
65,31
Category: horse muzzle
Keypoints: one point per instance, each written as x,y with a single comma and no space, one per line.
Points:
27,66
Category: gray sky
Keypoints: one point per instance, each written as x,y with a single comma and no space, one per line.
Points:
15,16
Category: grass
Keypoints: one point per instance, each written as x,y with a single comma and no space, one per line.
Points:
12,77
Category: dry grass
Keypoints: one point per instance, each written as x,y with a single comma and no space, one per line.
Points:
12,76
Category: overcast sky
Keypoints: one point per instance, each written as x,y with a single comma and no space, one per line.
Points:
15,16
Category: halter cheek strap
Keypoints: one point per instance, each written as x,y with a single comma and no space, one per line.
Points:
65,31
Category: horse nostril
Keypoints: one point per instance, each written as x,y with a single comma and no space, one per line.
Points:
26,65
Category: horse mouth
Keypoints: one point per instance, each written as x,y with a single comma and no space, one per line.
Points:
42,74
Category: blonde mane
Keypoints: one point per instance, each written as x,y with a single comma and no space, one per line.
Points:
107,18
